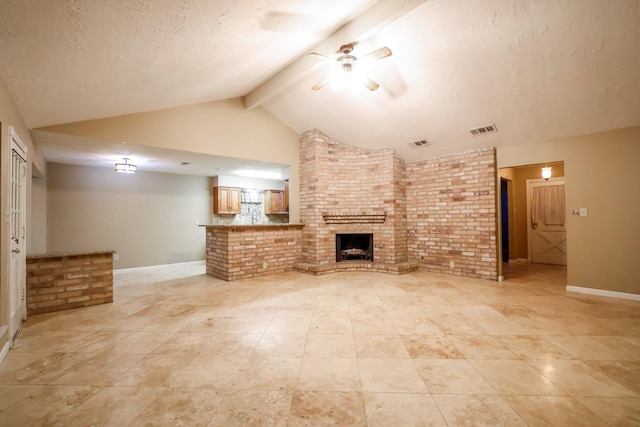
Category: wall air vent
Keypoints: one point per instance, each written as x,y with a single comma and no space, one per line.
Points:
483,129
421,143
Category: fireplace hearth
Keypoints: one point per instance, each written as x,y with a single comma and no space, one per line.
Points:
354,247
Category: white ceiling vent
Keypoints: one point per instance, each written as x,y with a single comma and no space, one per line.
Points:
483,129
421,143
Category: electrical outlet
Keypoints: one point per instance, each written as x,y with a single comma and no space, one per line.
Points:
452,264
583,211
116,257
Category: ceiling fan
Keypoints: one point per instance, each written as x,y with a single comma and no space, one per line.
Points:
347,66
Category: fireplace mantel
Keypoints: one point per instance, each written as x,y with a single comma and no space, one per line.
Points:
349,218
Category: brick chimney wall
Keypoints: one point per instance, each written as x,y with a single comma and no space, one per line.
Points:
451,214
338,179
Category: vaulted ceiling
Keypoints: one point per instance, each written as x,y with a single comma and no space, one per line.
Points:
537,69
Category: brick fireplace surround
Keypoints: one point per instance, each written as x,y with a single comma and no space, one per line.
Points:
426,214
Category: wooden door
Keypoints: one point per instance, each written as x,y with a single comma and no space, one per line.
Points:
18,235
546,209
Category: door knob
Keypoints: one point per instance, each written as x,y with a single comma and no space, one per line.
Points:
15,251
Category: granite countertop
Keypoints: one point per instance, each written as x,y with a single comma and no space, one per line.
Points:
67,254
248,227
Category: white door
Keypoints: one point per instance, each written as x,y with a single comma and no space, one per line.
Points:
17,234
546,214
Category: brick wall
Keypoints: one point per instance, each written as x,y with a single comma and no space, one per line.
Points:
240,252
62,282
451,214
338,179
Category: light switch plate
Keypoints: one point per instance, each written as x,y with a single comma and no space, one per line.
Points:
583,211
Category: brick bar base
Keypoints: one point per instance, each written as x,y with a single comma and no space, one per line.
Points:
64,281
242,251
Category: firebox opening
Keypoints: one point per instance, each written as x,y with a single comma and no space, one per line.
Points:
354,247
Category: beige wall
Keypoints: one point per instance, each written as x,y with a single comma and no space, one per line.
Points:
221,128
148,218
37,238
602,175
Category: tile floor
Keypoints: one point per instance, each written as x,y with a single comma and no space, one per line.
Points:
180,348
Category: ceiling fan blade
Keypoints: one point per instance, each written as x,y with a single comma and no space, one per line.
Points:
370,83
381,53
322,84
321,57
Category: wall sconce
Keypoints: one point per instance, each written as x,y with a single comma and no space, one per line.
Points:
546,173
126,167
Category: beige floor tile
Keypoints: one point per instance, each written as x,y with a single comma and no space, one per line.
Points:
533,347
452,376
45,370
626,373
579,379
457,324
47,406
402,409
390,375
417,326
154,370
542,411
329,374
253,408
139,342
180,407
112,406
616,411
326,324
431,347
476,411
586,348
330,345
270,373
102,369
315,408
515,377
372,323
380,347
628,345
280,345
284,325
10,394
481,347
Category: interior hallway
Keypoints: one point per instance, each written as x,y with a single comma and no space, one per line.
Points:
178,347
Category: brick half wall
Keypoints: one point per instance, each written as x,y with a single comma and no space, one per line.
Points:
65,281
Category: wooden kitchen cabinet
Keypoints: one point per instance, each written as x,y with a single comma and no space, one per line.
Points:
226,200
274,202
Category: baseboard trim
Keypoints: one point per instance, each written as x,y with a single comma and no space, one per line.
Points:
4,351
151,267
603,293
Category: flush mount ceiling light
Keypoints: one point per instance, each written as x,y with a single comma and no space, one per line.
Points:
546,173
126,167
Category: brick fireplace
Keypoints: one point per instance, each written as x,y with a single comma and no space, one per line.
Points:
347,190
429,214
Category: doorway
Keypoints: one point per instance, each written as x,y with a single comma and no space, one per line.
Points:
504,212
17,235
514,221
546,210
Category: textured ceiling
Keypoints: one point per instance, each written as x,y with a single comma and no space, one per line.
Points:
537,69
